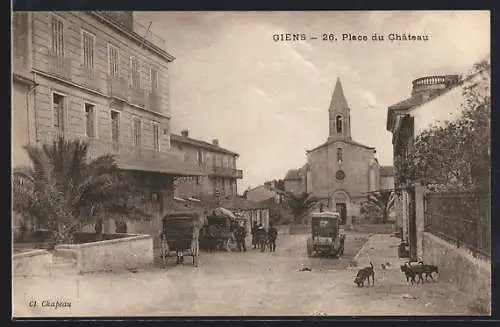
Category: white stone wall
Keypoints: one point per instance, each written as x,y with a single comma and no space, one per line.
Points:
113,255
31,263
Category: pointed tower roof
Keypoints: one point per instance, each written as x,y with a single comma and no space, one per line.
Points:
338,101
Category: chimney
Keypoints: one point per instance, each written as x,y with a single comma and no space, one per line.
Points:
215,142
185,133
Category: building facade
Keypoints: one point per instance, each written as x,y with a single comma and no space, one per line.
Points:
433,101
296,180
219,166
101,77
341,171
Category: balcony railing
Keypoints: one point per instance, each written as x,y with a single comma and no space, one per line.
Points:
127,156
155,102
118,87
90,77
59,65
227,172
138,96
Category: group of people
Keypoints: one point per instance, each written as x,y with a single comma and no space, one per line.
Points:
262,238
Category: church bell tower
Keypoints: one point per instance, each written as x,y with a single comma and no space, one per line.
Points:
339,115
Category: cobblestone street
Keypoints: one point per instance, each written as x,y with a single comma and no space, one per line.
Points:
250,283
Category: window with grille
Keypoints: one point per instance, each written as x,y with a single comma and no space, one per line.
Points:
339,155
89,120
58,108
113,61
137,132
135,72
88,42
57,36
115,126
156,137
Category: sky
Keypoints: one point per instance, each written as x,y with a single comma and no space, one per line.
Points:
268,100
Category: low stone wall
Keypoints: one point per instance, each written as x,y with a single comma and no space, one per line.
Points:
31,263
132,251
458,266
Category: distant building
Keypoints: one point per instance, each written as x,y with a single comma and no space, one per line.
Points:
386,178
296,180
265,192
340,171
218,164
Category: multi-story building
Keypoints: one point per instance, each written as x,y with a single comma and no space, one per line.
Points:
102,77
218,164
433,101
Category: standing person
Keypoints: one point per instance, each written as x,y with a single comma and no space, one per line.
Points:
262,238
272,235
254,235
240,235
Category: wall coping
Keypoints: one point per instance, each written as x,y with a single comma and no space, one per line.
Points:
480,263
131,237
30,253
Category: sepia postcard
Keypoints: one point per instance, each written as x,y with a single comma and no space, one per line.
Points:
306,163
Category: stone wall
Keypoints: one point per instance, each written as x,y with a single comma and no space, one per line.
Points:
458,266
111,255
31,263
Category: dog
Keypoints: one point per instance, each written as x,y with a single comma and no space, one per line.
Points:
409,273
428,270
412,271
364,275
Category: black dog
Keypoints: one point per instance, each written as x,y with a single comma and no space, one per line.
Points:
428,270
409,273
365,274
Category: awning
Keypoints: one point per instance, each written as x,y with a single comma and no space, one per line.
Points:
224,213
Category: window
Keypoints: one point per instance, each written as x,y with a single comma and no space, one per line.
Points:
338,123
156,137
58,105
57,37
113,61
339,155
137,132
135,74
89,120
115,126
88,43
154,80
200,157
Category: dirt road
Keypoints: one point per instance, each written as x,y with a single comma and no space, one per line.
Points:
250,283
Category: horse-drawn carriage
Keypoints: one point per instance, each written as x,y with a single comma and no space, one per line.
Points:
180,236
218,232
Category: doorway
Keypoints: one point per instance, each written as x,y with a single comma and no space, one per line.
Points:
341,208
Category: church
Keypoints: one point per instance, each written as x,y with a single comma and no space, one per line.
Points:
340,171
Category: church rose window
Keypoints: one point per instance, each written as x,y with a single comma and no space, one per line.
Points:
340,175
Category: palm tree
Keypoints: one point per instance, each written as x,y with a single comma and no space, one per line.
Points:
381,202
300,204
63,189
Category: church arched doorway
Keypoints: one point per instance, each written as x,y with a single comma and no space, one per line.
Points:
341,199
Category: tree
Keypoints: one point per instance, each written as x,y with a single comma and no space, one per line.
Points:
63,190
300,204
456,155
380,203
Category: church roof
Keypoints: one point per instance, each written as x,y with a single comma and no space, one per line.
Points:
386,171
293,174
338,98
345,141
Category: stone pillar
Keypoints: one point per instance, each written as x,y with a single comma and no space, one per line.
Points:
419,218
404,215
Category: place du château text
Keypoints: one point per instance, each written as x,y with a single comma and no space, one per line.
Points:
350,37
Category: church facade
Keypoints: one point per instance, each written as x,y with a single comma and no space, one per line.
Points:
341,171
